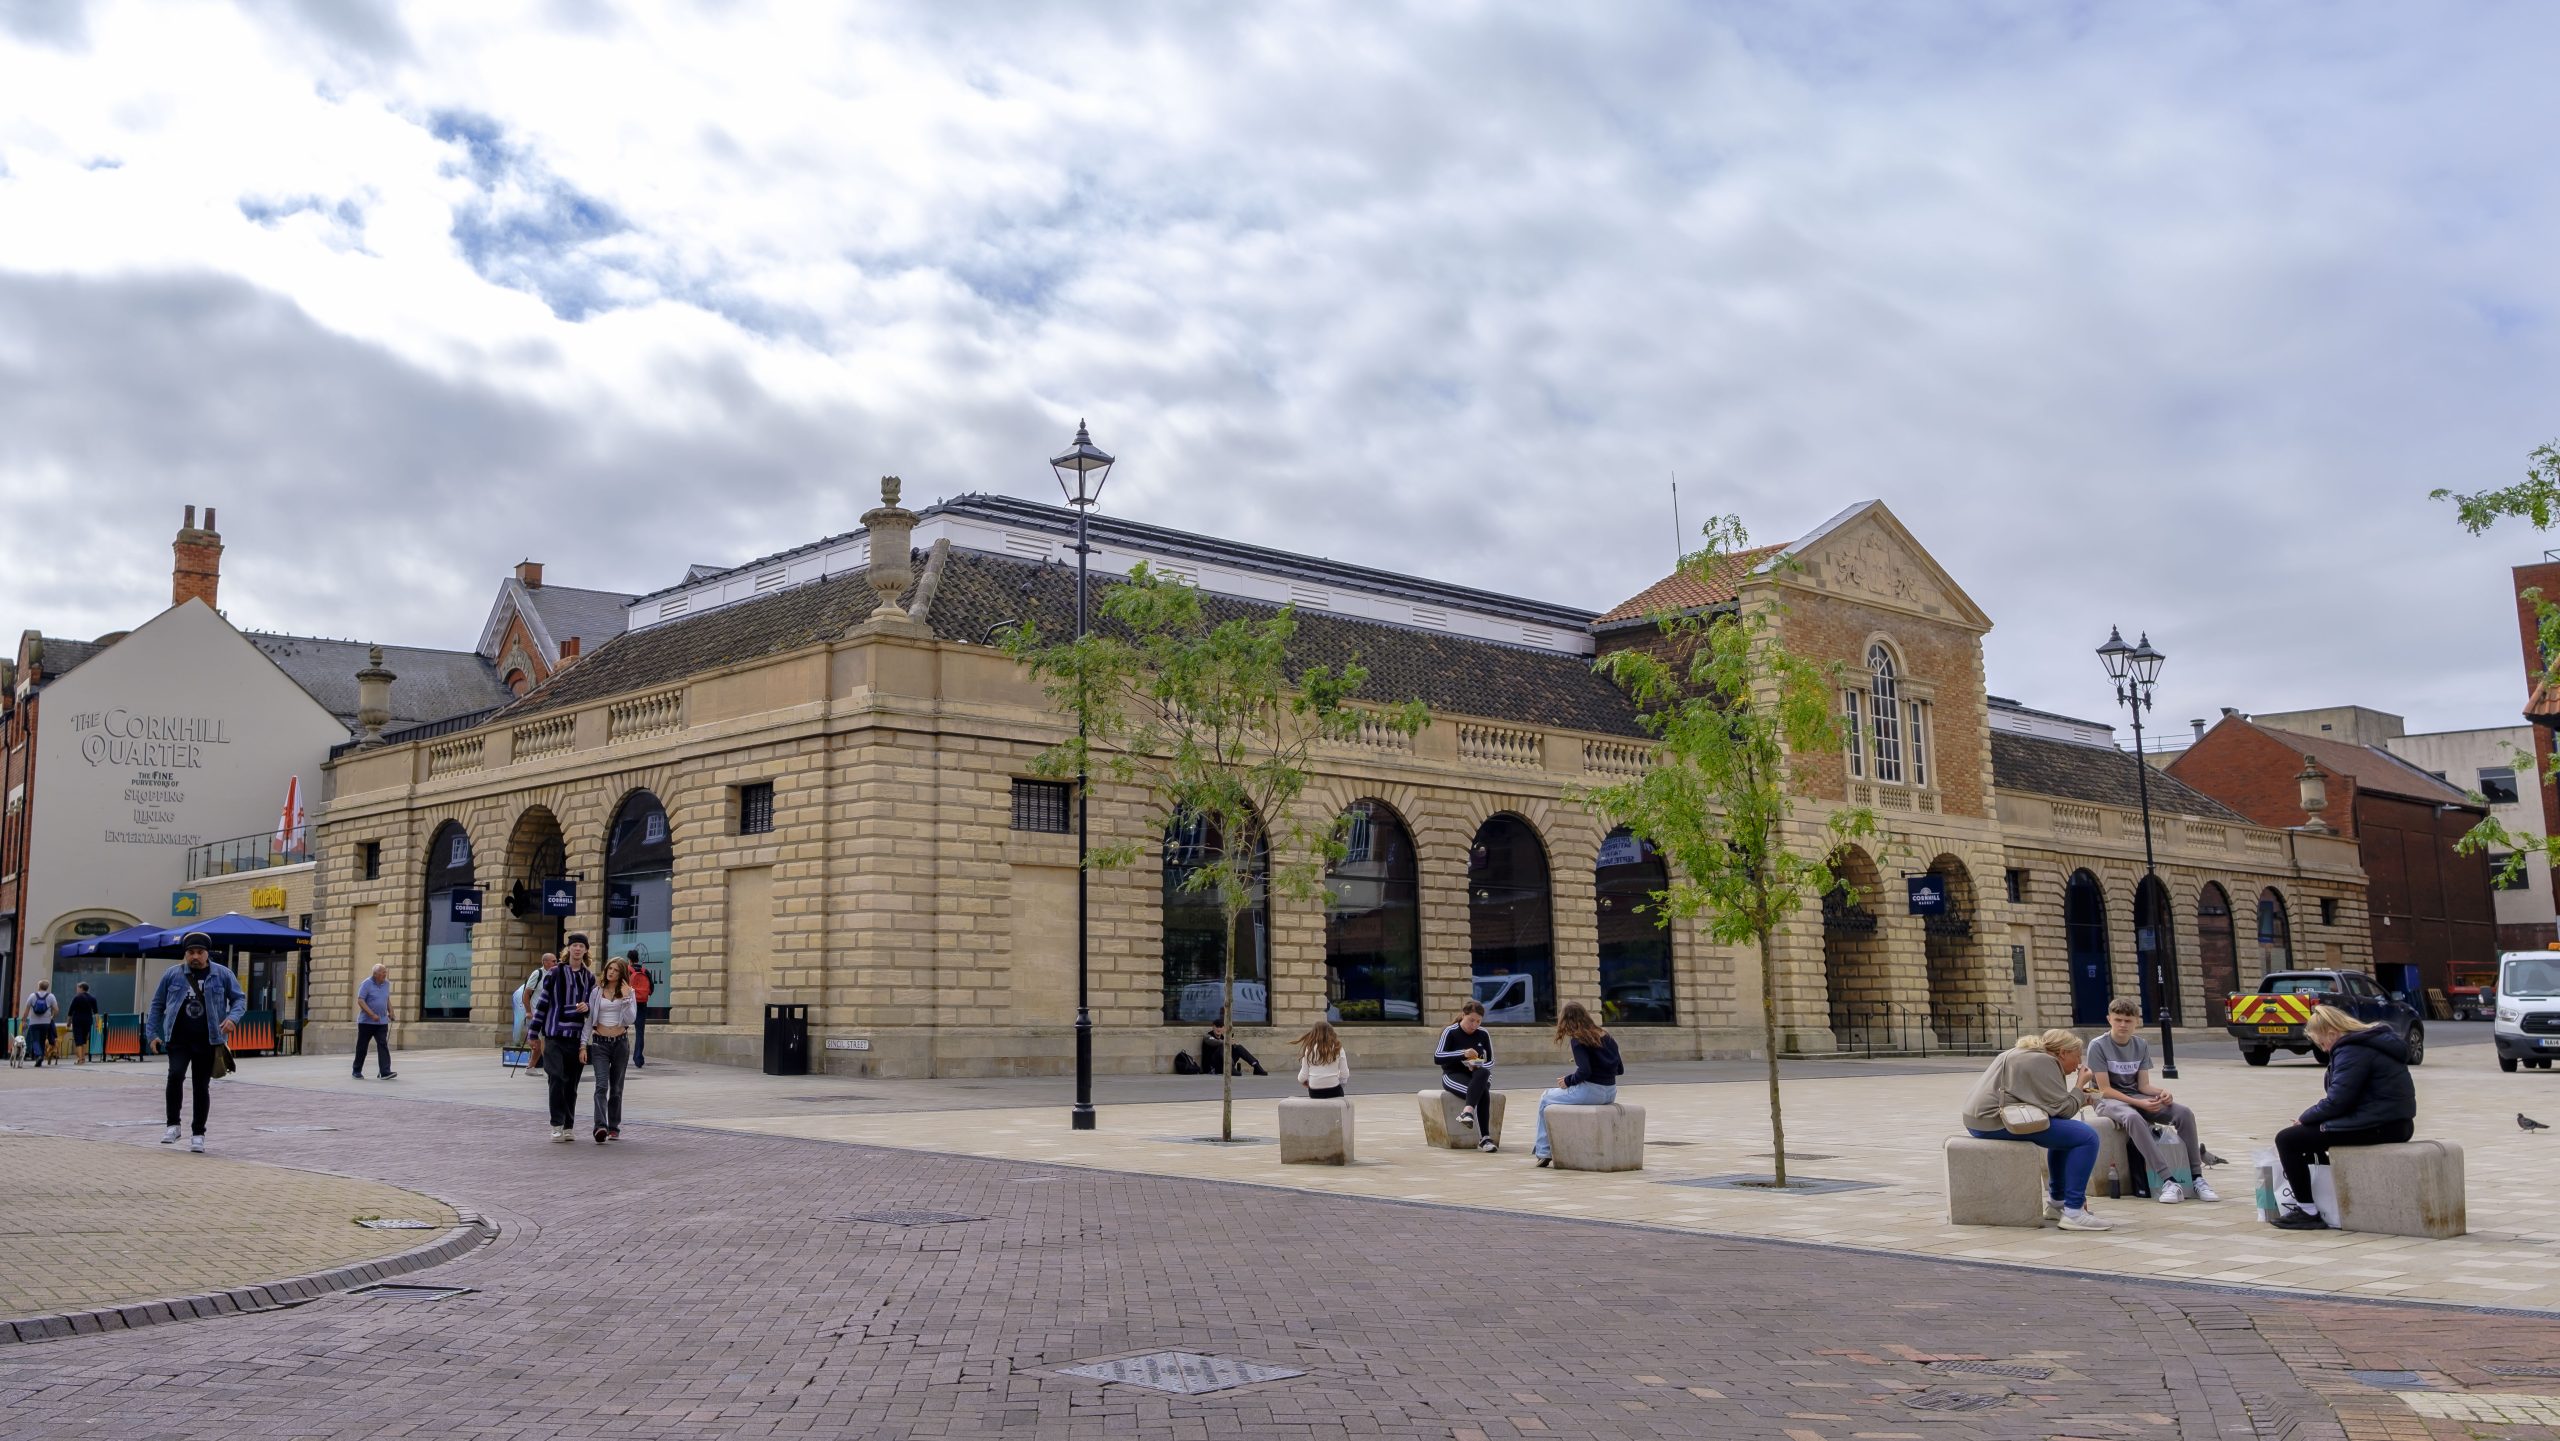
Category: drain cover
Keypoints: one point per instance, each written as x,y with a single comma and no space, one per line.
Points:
1796,1185
281,1129
1671,1143
910,1218
1995,1368
391,1291
1183,1373
1956,1400
2392,1380
2522,1370
380,1224
1797,1155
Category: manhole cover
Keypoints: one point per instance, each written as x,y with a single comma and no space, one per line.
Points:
391,1291
1956,1400
1995,1368
2522,1370
1183,1373
2392,1380
380,1224
282,1129
910,1218
1767,1185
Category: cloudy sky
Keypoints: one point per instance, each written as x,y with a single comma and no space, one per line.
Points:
2158,315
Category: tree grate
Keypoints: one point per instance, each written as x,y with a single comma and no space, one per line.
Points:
2010,1369
1182,1373
1956,1400
910,1218
2522,1370
1766,1184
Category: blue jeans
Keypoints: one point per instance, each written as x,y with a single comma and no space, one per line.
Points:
2070,1154
1586,1094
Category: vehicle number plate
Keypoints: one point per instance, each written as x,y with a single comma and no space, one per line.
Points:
2550,1043
2273,1030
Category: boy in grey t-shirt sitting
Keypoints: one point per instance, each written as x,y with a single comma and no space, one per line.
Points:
2120,1062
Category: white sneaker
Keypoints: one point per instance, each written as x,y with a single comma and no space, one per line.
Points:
1466,1115
1488,1144
2171,1193
2203,1191
169,1137
2081,1220
196,1144
2052,1209
559,1133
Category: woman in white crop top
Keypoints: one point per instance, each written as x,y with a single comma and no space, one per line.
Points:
1322,1067
606,1043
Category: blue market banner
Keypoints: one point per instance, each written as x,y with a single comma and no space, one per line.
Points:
1928,895
560,896
466,906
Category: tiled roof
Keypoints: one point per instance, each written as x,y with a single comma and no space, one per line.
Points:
1683,591
2094,775
2374,769
62,655
978,592
431,684
591,617
2544,707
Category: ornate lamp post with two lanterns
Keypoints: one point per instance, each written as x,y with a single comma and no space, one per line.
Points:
1081,470
2133,668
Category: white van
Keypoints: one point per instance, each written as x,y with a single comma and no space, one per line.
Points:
1507,1000
2528,1026
1199,1003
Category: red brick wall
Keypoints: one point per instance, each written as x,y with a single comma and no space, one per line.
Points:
2255,774
1947,657
17,768
2431,906
2546,579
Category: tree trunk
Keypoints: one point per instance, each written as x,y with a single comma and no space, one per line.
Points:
1769,1042
1227,1023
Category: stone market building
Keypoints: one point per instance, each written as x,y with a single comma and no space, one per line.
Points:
809,780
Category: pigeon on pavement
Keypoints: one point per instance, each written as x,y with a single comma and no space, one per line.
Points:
2528,1123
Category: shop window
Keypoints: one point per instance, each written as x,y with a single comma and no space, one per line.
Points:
1196,939
1510,923
1373,921
639,894
444,958
1635,936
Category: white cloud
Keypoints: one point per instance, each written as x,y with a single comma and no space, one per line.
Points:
2165,317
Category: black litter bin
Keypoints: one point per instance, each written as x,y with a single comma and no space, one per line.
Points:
786,1040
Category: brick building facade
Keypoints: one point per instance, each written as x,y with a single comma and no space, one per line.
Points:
828,792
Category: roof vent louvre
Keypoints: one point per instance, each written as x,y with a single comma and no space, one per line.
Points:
772,579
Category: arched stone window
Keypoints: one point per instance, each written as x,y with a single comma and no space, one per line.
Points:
1373,921
2275,932
2217,955
1635,937
2084,929
2155,949
1511,922
1884,711
639,893
444,948
1195,936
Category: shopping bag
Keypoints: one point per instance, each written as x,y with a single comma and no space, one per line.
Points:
2168,1143
2324,1194
2271,1185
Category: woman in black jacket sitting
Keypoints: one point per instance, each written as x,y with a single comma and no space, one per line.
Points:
2371,1101
1596,1069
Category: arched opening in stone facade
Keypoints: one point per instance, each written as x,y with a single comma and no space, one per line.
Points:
1511,922
640,892
536,851
1635,937
2084,934
1195,936
1961,1013
2215,950
1855,973
1373,921
2155,950
2275,932
444,944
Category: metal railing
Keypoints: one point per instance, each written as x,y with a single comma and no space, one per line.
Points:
245,853
1874,1028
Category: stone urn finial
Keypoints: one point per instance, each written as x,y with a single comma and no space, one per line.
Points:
892,570
373,698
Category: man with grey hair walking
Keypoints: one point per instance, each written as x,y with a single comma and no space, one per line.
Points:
373,1022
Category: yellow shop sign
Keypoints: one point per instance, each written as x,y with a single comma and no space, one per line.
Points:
267,898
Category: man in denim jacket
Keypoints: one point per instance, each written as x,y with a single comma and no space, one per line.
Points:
191,1014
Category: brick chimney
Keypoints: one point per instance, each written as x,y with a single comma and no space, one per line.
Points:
198,574
530,573
568,650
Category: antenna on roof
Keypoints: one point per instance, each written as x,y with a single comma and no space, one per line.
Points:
1679,538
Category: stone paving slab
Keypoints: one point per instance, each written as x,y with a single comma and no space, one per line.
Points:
90,1225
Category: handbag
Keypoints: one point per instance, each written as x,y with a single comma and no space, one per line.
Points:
222,1065
2024,1120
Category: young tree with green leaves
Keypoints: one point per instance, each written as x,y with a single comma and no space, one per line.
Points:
2536,500
1218,729
1730,706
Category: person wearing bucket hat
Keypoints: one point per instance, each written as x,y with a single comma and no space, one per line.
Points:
191,1017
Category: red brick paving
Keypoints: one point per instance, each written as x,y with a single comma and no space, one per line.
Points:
688,1284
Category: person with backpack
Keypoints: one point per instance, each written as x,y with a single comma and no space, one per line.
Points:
83,1012
641,986
1218,1051
1594,1078
40,1010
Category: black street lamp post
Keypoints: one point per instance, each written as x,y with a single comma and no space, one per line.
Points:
1089,465
2133,668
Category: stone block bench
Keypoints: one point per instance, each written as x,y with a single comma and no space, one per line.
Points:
1989,1183
1596,1138
1440,1128
1315,1133
2411,1189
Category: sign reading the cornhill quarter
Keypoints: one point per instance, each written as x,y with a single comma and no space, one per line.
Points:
157,747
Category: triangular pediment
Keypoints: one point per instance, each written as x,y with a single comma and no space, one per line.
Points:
1866,554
